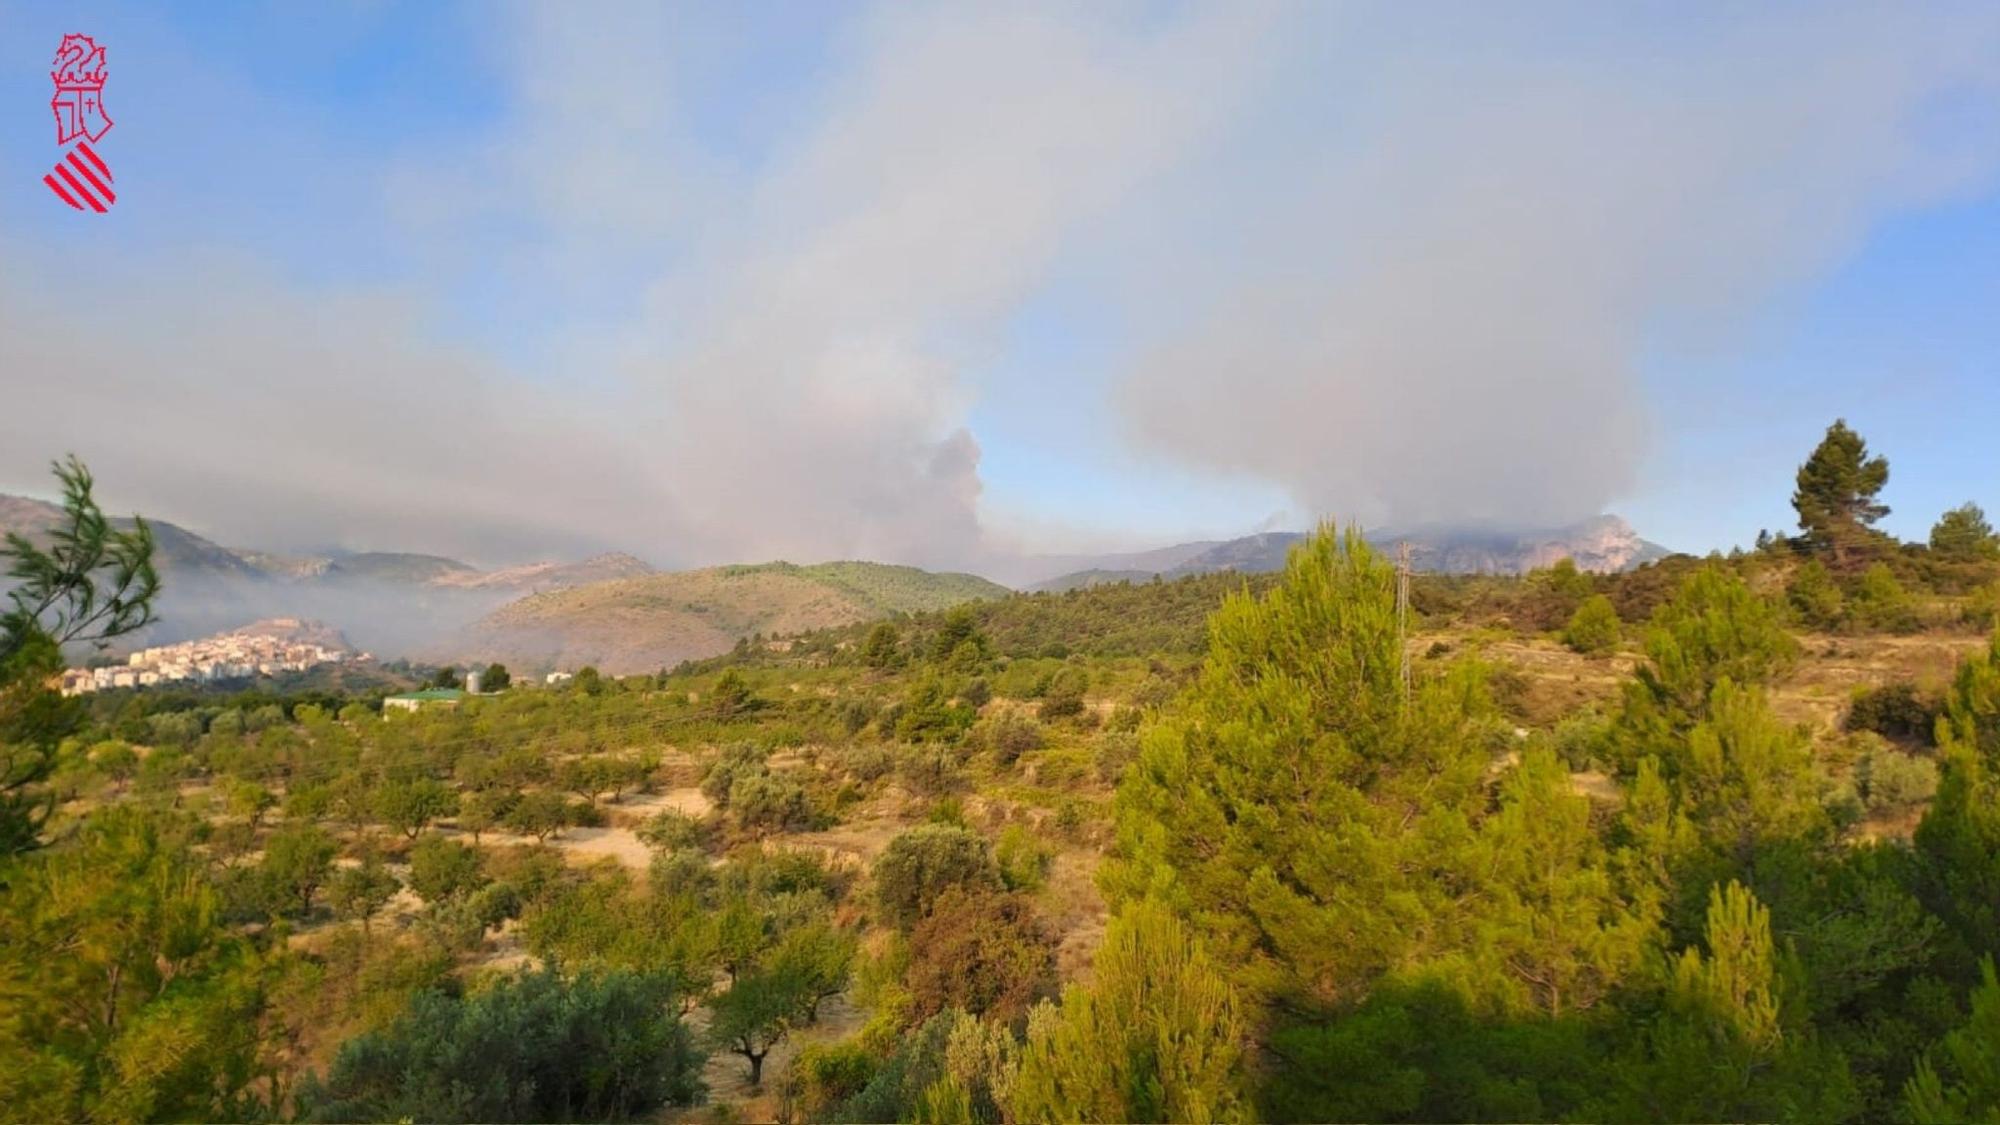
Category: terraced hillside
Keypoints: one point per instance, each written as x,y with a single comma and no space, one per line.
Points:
658,620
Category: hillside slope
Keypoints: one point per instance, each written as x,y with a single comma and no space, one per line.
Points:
655,621
177,552
536,577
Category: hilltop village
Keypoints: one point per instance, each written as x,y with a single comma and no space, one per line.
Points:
266,648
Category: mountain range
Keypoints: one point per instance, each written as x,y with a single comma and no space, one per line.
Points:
1602,543
388,602
621,614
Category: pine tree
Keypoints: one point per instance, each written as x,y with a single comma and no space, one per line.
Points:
1734,986
1815,597
1972,708
879,650
93,583
1836,493
1156,1037
1746,778
1958,841
1968,1090
123,997
1964,535
1296,803
1556,927
1734,798
1730,1043
1715,628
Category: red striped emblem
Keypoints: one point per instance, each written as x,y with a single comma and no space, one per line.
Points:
82,180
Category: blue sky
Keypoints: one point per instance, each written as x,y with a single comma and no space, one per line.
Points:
944,284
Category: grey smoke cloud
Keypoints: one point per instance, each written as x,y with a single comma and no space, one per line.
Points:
1440,313
219,398
1405,262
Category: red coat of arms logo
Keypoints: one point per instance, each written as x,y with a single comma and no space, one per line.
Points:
79,102
81,179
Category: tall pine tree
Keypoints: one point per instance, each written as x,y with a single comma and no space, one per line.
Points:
1836,493
1307,816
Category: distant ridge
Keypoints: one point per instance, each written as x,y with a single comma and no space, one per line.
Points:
1604,544
390,602
620,613
1033,571
1084,579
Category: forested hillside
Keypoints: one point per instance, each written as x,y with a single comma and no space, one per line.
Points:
1715,839
656,621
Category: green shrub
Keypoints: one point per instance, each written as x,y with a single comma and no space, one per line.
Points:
680,872
1023,858
987,954
856,714
1116,749
671,829
495,903
923,863
1982,608
1891,781
1594,627
1880,602
827,1074
740,759
1064,696
929,770
532,1048
1011,735
1816,598
1897,711
442,869
866,761
930,715
765,801
1579,740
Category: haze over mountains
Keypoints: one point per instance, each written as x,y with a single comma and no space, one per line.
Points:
390,603
618,612
1604,543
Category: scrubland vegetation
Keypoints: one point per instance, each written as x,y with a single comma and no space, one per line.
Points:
1712,840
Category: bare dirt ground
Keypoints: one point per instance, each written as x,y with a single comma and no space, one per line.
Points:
1598,786
1816,691
864,834
618,840
1830,669
1077,911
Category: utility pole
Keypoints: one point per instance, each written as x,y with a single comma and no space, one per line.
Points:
1403,612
